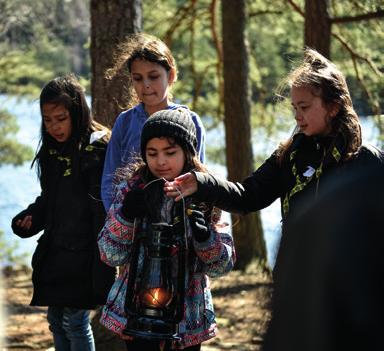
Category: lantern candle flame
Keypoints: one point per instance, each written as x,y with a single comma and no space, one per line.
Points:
156,297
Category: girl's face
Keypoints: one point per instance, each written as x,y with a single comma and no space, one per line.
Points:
165,160
312,116
57,122
151,82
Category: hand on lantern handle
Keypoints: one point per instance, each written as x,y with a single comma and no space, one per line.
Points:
181,186
198,223
134,204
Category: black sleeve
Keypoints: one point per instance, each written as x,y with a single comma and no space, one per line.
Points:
37,211
256,192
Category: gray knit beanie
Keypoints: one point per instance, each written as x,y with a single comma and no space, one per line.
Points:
176,124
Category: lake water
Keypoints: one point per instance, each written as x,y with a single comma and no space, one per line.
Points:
19,185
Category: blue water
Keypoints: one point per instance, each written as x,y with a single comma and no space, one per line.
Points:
19,185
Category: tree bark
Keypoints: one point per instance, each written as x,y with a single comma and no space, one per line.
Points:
317,26
111,22
248,233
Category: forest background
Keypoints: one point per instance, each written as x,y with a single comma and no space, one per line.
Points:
231,57
257,40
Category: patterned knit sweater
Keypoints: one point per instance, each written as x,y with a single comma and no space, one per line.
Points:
211,258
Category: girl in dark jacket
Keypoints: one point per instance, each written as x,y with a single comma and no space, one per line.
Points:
315,169
326,143
68,275
327,140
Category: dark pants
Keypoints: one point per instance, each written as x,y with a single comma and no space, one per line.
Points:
147,345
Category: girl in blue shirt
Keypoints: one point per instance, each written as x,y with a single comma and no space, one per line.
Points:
152,69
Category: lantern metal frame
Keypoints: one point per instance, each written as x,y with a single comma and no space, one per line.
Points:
161,244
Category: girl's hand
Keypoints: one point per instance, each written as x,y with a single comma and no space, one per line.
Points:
181,186
25,223
134,204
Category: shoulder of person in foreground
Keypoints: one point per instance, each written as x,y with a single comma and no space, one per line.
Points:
372,152
332,248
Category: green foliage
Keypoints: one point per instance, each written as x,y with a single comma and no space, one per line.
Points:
275,39
51,37
11,151
41,40
20,73
360,58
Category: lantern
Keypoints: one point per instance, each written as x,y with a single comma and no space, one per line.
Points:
155,296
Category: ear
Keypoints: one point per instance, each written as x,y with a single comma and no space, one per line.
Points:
172,76
334,109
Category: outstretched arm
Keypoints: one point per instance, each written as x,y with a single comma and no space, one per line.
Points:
256,192
181,186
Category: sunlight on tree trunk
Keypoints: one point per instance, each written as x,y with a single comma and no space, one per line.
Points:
111,23
317,26
248,233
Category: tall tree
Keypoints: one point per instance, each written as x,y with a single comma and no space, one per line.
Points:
318,32
247,231
317,27
318,23
111,22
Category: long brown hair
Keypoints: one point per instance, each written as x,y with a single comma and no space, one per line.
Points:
141,46
326,81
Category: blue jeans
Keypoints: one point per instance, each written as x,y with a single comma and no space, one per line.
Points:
71,329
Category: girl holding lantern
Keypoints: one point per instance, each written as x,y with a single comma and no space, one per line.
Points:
162,299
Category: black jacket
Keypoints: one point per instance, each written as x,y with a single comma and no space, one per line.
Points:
67,270
328,284
328,289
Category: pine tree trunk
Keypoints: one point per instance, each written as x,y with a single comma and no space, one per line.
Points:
248,232
317,26
111,22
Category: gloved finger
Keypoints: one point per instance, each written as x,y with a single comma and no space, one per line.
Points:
194,213
200,220
201,227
